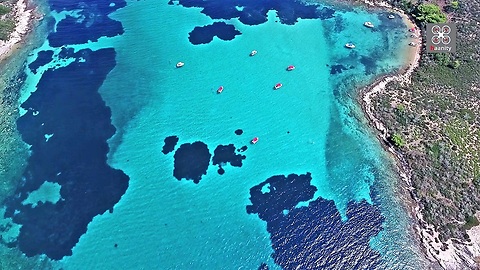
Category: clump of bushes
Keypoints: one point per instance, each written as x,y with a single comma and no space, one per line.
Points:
397,140
6,27
430,13
4,10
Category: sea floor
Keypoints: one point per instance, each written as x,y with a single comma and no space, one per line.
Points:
214,200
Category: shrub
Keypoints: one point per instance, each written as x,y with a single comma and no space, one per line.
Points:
397,140
4,10
455,64
454,4
430,13
6,27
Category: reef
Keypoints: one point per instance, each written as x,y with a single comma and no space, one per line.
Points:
314,236
169,144
191,161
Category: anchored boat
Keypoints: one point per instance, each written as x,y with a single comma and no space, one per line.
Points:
350,45
369,24
277,86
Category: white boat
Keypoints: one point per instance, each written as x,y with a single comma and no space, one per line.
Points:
252,53
180,64
412,44
368,24
391,16
350,45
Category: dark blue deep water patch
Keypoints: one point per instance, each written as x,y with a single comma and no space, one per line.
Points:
93,21
191,161
238,132
67,104
43,58
314,236
205,34
242,149
263,266
336,69
225,154
169,144
252,12
284,193
370,64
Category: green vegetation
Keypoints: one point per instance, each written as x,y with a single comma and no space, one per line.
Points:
401,108
441,122
455,5
455,64
397,140
470,221
406,5
6,27
435,150
442,59
430,13
4,10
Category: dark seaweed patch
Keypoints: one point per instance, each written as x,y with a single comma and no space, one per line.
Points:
93,21
170,143
370,64
191,161
336,69
242,149
205,34
43,58
239,132
314,236
284,194
263,266
225,154
70,107
252,12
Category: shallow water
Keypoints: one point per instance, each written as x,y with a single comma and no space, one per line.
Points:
307,128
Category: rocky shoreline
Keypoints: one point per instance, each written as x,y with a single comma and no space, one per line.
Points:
452,254
24,16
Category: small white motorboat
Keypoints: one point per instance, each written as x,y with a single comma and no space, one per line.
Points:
180,64
368,24
391,16
252,53
350,45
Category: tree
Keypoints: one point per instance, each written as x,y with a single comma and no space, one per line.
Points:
430,13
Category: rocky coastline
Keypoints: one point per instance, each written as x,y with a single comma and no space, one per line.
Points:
450,254
24,15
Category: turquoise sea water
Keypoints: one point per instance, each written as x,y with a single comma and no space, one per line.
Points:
309,125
